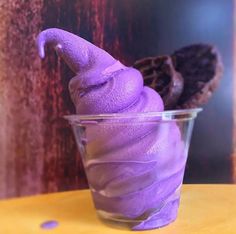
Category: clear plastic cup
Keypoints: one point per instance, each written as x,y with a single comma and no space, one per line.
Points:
135,164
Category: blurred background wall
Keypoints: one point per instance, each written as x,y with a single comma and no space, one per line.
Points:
37,149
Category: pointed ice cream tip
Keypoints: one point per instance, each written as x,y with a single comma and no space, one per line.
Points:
78,53
40,46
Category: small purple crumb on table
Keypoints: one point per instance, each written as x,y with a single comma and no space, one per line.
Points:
50,224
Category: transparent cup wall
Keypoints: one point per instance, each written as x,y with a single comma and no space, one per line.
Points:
135,164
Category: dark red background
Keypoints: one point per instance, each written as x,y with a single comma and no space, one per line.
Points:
37,148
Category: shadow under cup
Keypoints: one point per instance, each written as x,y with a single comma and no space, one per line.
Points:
135,164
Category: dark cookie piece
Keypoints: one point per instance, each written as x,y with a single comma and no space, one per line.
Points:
200,66
159,74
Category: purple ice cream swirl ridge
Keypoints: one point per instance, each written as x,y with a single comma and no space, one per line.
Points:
134,171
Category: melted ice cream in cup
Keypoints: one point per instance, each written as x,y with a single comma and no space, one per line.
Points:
134,153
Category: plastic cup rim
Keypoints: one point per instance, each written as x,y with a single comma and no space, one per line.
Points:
181,114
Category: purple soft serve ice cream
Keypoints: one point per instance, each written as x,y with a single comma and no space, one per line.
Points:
134,171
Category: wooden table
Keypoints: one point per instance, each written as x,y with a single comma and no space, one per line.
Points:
204,209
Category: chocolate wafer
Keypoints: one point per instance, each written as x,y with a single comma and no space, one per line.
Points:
160,74
201,68
187,78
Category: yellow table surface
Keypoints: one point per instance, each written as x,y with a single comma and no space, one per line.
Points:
203,209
